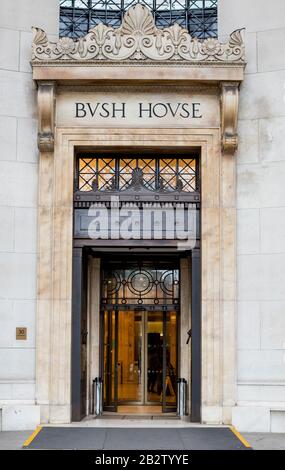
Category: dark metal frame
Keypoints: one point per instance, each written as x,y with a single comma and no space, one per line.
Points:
199,17
196,322
79,333
169,408
113,406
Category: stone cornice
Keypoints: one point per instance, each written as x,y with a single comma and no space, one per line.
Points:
138,40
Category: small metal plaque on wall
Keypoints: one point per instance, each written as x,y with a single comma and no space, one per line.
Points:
21,333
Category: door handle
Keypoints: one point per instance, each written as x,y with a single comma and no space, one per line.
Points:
189,333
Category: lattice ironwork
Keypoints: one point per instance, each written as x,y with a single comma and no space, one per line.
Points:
140,286
199,17
119,174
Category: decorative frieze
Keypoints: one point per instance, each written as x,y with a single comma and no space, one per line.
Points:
138,39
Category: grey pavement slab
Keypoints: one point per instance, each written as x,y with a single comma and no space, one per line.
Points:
13,440
266,441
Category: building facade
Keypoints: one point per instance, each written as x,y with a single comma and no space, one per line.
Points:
82,125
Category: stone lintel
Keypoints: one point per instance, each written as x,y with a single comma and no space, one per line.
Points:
149,73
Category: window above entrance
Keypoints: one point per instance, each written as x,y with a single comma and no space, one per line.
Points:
199,17
152,174
140,284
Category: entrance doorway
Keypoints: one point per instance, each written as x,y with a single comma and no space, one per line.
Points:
139,321
123,301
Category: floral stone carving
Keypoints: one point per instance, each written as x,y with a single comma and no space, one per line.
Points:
138,39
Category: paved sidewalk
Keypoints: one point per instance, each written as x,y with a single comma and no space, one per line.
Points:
13,440
265,441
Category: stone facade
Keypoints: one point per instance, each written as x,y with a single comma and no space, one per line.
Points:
260,215
18,207
60,76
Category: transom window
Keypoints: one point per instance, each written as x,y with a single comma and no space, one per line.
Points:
199,17
140,285
118,174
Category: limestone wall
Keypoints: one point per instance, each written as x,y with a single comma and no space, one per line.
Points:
260,215
18,205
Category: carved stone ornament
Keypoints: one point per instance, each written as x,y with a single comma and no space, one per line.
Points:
229,116
46,112
138,39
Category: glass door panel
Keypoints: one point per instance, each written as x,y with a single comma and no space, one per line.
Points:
110,360
130,357
140,358
169,402
154,359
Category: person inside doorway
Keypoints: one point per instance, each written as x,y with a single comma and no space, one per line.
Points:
170,376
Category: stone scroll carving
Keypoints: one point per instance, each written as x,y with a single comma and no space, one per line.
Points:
229,116
46,112
136,39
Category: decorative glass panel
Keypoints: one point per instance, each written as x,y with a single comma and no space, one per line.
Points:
87,169
199,17
117,174
140,286
126,167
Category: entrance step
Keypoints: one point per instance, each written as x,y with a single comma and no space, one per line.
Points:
136,417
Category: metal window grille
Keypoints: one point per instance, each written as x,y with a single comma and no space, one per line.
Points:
199,17
116,174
